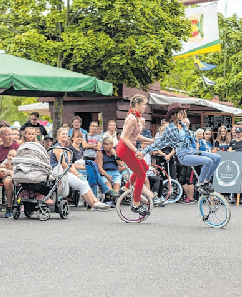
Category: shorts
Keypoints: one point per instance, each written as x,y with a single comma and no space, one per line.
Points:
186,175
116,177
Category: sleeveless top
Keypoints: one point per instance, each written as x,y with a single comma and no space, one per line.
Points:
137,128
53,159
109,162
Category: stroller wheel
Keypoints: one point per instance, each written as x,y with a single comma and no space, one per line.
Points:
64,209
43,214
16,213
28,213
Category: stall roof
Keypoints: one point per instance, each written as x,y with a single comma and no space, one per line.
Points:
162,100
41,108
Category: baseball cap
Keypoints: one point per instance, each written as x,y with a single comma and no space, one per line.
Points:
238,130
48,137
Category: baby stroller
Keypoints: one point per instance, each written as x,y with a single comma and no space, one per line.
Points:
36,188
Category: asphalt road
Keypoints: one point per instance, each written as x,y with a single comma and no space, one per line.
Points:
173,253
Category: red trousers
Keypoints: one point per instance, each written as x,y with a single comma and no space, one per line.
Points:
139,167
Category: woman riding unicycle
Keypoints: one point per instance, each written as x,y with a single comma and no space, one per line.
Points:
126,150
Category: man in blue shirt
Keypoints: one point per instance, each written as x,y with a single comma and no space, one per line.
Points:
76,125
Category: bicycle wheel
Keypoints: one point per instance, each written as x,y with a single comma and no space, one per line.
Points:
176,190
214,210
123,207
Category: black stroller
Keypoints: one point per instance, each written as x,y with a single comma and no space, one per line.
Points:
37,188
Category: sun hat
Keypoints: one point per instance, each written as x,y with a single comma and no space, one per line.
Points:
174,108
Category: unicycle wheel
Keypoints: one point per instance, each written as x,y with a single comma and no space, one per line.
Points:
123,207
214,210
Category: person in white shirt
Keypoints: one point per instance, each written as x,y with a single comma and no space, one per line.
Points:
111,133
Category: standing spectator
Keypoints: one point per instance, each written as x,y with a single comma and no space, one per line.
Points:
76,125
233,134
236,145
222,141
48,142
100,130
92,142
7,146
206,144
33,122
145,132
111,133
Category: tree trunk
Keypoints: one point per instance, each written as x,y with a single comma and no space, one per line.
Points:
58,110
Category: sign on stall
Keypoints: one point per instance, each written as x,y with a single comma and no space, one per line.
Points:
227,177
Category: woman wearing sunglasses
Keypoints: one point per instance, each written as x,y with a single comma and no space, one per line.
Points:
182,143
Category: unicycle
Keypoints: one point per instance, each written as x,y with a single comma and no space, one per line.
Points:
124,202
213,208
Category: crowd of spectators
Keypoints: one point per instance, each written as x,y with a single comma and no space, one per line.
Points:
96,170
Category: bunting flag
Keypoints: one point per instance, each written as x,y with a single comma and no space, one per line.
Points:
203,66
205,32
207,81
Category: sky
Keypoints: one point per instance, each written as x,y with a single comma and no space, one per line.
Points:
233,6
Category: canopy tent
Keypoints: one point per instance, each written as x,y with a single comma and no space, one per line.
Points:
42,108
162,100
21,77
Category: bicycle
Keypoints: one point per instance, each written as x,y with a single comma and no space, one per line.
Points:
124,202
172,189
214,208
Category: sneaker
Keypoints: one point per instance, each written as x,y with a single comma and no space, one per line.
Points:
186,201
121,191
192,201
112,194
81,203
209,187
111,203
140,210
156,201
200,188
8,213
100,205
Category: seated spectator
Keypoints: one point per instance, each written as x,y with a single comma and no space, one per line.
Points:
15,135
100,130
187,122
206,144
3,124
222,141
76,125
5,147
48,142
236,145
74,181
156,181
33,122
92,142
85,168
29,135
111,133
108,166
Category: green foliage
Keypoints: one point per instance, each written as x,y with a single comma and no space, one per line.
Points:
230,33
9,109
121,41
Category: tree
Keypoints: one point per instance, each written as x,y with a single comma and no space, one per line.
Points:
230,87
120,41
